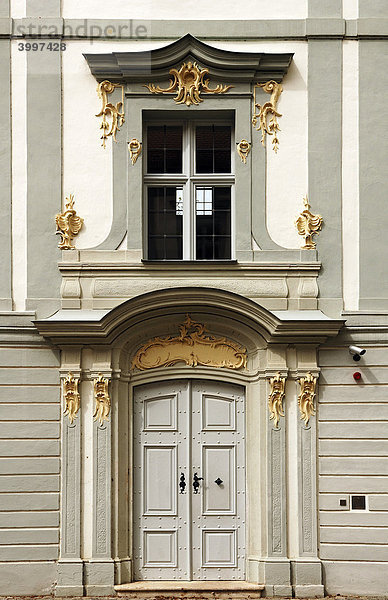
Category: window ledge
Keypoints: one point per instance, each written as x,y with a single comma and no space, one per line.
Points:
191,263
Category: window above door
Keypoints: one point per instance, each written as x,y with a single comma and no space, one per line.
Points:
188,190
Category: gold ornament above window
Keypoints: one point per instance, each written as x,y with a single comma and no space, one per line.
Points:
265,117
134,149
192,346
188,83
108,110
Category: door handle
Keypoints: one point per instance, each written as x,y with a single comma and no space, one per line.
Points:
196,481
218,481
182,483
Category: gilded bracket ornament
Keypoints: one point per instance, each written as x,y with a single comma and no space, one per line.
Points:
276,397
114,112
192,346
102,399
265,118
188,83
243,149
69,224
308,225
134,149
71,396
306,397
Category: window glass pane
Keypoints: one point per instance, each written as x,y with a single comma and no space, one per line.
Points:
213,149
164,148
165,223
213,222
222,153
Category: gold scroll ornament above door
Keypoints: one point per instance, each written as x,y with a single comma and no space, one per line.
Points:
192,346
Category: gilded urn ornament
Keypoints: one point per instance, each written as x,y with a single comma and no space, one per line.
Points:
308,225
69,224
188,83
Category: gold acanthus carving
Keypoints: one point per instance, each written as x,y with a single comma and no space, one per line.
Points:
69,224
102,399
114,112
308,225
192,346
306,397
265,118
71,396
276,397
134,148
188,83
243,149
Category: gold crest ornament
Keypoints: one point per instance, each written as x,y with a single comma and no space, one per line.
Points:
192,346
134,149
188,83
114,112
102,399
265,118
306,397
243,149
69,224
308,225
276,397
71,396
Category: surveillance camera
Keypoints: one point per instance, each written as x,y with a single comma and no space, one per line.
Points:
356,352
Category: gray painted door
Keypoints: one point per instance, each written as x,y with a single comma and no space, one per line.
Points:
187,430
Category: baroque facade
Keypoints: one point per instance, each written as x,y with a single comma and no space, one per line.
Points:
178,397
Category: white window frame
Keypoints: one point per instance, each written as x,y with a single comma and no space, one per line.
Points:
189,180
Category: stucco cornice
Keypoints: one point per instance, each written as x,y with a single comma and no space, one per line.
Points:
106,327
235,66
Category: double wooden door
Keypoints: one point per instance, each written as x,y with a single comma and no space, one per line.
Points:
189,481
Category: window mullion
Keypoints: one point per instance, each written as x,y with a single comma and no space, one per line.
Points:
186,195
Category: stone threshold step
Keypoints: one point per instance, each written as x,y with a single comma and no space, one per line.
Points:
220,590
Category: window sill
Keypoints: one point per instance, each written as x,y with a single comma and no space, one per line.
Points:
191,263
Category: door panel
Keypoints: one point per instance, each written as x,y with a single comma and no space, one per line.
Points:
160,480
218,511
219,499
182,428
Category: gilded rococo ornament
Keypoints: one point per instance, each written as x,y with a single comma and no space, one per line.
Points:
69,224
265,118
113,111
243,149
102,399
188,83
308,225
192,346
71,396
306,397
276,397
134,149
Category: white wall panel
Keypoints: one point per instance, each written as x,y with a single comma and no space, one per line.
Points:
193,9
